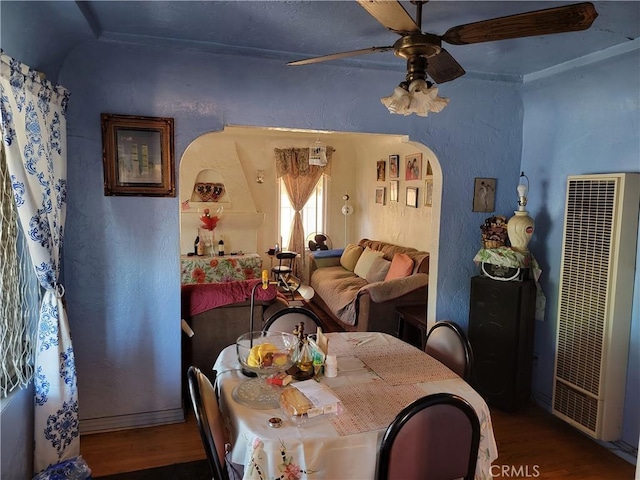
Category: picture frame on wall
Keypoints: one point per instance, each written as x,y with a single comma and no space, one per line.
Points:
138,155
380,195
381,170
412,197
428,192
394,186
394,166
484,194
413,166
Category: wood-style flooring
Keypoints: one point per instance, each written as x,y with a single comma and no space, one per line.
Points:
531,444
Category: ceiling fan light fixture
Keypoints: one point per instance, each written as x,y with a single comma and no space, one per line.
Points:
398,101
419,97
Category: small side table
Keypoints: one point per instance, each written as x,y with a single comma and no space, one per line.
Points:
412,324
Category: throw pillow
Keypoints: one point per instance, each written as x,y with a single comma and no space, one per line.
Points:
401,266
365,261
378,270
350,256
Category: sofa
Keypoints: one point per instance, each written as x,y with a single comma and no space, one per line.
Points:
363,295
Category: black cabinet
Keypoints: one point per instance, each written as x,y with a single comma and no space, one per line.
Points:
501,323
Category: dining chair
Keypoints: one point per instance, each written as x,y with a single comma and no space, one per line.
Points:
434,438
447,342
285,320
210,423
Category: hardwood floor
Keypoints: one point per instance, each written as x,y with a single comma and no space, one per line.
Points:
531,444
137,449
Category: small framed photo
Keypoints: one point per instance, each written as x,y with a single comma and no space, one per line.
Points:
428,192
137,155
380,195
381,170
484,194
412,197
393,190
414,166
394,166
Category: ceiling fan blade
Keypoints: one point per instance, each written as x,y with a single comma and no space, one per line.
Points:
337,56
570,18
391,14
443,67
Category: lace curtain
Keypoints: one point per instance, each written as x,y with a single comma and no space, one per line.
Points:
33,122
300,178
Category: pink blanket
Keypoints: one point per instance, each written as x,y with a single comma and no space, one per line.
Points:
200,298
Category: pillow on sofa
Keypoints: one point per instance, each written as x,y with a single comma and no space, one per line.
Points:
350,256
401,266
378,270
365,262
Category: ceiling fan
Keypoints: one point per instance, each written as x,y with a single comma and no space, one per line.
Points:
424,52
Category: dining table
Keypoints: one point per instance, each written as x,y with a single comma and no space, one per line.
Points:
378,375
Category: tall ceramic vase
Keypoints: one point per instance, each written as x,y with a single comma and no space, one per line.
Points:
520,229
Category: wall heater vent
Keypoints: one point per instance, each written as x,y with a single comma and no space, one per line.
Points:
595,301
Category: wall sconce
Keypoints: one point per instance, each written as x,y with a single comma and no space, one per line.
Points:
260,176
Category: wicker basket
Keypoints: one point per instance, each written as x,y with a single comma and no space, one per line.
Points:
492,243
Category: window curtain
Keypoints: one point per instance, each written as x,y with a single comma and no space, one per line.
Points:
300,178
33,122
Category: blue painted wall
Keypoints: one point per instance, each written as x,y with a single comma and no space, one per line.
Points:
121,269
580,122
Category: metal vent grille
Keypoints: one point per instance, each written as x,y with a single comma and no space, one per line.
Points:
585,279
577,406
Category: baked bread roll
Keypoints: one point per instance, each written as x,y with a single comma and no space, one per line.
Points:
294,402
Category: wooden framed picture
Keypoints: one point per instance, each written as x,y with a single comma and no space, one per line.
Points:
393,190
394,166
137,155
428,192
381,170
380,196
414,166
484,194
412,197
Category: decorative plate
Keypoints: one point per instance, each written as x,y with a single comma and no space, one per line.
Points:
209,192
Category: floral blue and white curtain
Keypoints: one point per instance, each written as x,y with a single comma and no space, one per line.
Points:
34,136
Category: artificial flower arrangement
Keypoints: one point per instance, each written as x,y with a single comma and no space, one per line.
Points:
210,222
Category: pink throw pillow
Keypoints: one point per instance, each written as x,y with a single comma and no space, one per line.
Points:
401,266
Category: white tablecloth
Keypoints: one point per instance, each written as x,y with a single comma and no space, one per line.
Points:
316,448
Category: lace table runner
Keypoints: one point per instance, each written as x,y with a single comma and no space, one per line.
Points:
371,406
364,344
406,367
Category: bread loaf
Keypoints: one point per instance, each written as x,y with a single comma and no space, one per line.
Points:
294,402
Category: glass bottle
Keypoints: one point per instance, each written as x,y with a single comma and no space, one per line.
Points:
305,361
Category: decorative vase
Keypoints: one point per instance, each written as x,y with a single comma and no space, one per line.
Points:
520,229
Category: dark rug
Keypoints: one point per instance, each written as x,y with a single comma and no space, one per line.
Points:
198,470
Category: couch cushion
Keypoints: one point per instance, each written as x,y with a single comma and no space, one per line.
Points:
420,259
378,270
350,256
365,262
401,266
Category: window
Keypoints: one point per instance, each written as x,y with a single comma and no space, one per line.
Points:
19,295
313,213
